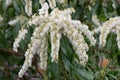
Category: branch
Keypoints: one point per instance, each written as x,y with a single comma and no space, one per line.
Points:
38,69
41,71
35,60
12,52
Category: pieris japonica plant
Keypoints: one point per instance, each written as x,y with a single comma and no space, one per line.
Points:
60,39
58,23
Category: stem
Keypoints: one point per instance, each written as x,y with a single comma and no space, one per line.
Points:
12,52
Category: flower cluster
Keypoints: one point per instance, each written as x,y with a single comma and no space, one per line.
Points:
52,4
28,7
21,36
95,20
19,19
111,25
57,23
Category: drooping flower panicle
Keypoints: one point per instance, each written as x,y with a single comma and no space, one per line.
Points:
110,25
95,20
57,23
20,37
19,19
28,7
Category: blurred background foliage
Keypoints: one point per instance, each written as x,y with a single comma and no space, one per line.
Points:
103,64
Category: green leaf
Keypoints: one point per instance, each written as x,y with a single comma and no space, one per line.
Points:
81,2
87,75
66,63
76,76
16,7
109,42
54,71
113,77
66,48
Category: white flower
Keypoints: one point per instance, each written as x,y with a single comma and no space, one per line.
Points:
42,2
8,2
21,36
33,47
28,7
84,29
62,1
95,20
118,35
44,10
42,18
78,42
57,23
112,24
55,41
96,30
52,3
26,64
22,19
13,22
42,52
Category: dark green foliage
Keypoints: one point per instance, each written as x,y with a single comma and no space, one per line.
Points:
67,68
